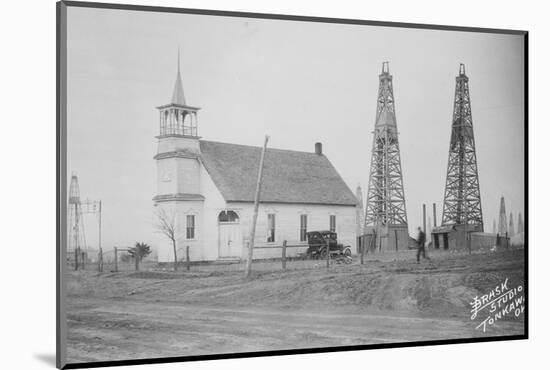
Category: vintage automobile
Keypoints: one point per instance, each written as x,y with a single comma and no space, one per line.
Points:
317,245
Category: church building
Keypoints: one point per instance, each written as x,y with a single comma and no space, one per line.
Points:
207,188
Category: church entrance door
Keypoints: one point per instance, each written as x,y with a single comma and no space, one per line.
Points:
230,236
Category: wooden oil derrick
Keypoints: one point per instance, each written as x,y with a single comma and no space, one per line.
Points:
502,224
385,210
462,201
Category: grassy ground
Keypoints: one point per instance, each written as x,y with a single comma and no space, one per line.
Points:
215,309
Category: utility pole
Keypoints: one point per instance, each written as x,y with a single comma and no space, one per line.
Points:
256,205
424,218
76,235
100,256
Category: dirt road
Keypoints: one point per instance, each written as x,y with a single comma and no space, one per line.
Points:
157,314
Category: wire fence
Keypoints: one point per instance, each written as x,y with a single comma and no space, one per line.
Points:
278,258
268,257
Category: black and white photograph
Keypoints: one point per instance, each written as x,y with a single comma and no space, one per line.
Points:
240,184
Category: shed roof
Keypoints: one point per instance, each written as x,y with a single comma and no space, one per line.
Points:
289,176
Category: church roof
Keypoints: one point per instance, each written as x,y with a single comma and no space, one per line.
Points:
288,177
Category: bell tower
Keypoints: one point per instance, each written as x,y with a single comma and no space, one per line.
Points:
178,168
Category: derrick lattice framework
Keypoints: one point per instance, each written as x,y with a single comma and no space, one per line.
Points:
462,203
385,194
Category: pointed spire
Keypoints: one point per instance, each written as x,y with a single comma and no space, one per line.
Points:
178,96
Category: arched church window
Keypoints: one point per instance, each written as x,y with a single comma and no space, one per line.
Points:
228,216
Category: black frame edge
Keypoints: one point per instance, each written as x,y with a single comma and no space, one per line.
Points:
61,188
161,360
61,173
227,13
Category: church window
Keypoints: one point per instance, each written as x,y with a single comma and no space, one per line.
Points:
271,228
303,227
190,230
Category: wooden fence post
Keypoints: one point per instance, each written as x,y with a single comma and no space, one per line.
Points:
100,260
116,259
283,257
328,253
187,260
363,247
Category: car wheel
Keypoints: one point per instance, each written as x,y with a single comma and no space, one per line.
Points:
323,253
347,252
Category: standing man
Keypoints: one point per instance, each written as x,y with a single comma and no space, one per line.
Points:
421,240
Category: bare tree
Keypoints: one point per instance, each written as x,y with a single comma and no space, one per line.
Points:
166,224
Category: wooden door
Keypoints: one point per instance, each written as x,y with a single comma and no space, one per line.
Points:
230,240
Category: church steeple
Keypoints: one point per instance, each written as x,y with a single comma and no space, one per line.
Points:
178,118
178,97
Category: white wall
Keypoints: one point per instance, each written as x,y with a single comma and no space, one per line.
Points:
187,183
178,175
173,143
287,224
214,203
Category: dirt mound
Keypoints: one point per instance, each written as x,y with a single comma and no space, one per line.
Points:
403,293
439,288
442,287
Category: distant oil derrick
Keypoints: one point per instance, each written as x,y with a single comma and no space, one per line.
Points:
462,203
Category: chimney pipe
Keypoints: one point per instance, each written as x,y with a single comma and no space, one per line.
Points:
319,148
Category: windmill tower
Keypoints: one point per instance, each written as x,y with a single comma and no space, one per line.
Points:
502,225
385,211
77,240
462,203
360,215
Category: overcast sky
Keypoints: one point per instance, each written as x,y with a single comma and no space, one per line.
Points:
298,82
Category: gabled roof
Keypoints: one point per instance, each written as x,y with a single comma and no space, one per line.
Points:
288,177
